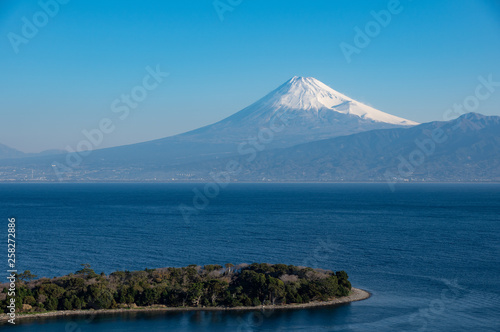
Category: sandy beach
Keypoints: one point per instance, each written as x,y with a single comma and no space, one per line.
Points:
356,295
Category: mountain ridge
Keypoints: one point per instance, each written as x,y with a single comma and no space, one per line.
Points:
6,152
469,150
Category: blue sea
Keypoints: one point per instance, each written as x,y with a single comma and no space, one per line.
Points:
428,253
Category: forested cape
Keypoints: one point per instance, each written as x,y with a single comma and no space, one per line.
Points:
192,286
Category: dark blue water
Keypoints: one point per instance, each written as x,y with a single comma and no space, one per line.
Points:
429,253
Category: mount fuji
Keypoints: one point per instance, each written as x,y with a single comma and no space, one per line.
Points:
305,110
301,110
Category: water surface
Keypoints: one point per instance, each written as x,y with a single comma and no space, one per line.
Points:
429,253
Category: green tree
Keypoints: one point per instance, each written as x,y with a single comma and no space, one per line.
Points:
149,296
195,293
292,294
51,290
51,304
27,276
215,290
67,305
86,271
29,300
328,288
253,284
100,297
276,290
76,302
213,267
343,291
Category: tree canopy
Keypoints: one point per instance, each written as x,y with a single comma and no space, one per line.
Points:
192,286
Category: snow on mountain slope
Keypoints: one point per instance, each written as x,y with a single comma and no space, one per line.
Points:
309,96
312,111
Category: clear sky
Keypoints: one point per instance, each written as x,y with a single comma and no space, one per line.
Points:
65,76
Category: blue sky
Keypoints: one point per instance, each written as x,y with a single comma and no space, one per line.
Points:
63,79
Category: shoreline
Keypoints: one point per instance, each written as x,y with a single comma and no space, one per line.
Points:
356,295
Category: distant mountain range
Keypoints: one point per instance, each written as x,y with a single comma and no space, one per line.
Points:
465,149
8,153
302,131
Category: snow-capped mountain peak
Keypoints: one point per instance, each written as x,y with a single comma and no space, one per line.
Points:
305,93
308,94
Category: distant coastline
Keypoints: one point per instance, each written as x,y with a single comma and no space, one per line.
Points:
356,294
202,182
